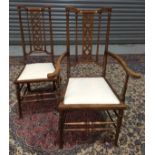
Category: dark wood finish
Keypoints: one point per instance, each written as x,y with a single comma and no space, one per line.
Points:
98,36
56,73
68,42
28,86
124,88
104,64
88,17
111,118
61,127
108,106
76,37
89,129
119,123
18,100
32,19
120,61
87,35
34,23
128,71
51,34
89,123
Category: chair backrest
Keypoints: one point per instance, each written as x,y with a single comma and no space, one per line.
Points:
36,30
88,30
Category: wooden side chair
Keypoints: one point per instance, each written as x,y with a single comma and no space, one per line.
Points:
91,93
36,38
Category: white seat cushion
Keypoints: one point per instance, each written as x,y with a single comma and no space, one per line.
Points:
36,71
89,91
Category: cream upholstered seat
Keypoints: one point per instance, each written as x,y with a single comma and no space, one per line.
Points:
89,91
36,71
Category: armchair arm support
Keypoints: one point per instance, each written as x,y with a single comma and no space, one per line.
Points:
128,71
55,74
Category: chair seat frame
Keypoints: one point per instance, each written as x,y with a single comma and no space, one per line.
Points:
23,89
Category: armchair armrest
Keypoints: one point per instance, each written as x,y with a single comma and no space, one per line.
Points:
128,71
55,74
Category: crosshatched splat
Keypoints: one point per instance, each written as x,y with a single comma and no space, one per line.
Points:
87,30
36,29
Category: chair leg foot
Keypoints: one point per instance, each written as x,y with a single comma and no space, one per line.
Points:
61,127
116,143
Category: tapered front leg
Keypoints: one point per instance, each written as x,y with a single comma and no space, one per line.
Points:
58,90
119,123
18,100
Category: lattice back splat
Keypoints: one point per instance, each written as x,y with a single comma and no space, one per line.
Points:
87,35
88,30
36,30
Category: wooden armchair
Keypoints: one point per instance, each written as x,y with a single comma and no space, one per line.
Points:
36,38
91,93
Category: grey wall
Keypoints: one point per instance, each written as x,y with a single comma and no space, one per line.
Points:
127,22
118,49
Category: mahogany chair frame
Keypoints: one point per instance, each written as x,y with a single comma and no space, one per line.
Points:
87,42
33,20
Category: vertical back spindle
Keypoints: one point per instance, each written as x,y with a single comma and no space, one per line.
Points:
51,34
98,35
43,29
107,32
106,44
29,31
22,34
68,43
76,36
